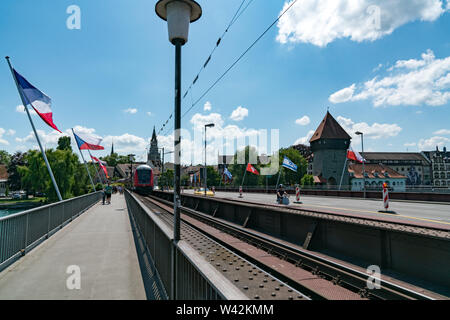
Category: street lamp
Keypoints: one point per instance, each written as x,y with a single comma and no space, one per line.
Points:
211,125
178,14
131,157
359,133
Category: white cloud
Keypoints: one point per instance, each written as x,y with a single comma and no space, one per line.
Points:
207,106
21,109
149,114
412,82
11,132
321,22
412,144
239,114
305,140
48,139
303,121
442,132
131,110
431,143
374,131
3,141
343,95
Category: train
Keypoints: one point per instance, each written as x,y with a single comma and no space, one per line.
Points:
143,181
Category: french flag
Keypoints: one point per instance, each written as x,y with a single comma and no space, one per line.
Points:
40,102
355,156
88,141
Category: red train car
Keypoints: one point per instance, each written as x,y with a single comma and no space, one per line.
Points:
143,179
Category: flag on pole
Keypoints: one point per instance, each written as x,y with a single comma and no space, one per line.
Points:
289,164
102,165
88,141
354,155
40,102
227,173
252,169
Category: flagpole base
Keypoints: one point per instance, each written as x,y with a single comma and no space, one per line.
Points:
387,211
298,202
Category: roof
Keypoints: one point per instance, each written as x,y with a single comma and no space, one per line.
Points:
3,172
393,156
329,128
372,170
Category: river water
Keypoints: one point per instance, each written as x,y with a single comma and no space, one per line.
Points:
7,212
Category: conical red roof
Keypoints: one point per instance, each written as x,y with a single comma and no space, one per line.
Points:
329,128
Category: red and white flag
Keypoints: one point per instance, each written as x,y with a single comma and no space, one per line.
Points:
355,156
252,169
102,165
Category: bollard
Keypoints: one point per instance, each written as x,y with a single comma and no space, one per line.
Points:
240,192
297,195
386,200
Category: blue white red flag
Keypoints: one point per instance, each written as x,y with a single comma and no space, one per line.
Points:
88,141
40,102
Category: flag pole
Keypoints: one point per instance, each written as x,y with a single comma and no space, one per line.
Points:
98,174
85,164
35,132
343,170
243,178
279,174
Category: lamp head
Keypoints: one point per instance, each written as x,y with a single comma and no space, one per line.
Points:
209,125
178,14
358,133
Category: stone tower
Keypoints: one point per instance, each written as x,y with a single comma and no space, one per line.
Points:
154,156
329,145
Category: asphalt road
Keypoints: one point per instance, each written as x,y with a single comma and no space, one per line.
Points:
412,211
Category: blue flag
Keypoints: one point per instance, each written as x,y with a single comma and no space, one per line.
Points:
289,164
227,173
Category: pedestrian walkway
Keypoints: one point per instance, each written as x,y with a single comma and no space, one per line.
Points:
100,242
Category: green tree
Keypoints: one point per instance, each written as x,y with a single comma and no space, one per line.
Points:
166,178
65,166
238,170
14,180
185,180
307,180
212,176
5,157
64,143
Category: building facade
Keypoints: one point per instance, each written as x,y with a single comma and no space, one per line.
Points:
413,165
329,145
375,176
440,167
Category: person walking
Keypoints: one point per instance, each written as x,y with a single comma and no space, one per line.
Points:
108,191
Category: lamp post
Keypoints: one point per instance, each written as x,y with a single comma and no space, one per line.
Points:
131,157
178,14
211,125
364,170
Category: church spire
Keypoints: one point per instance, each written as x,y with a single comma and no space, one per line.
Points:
112,148
154,134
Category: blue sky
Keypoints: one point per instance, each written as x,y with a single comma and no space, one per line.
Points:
384,70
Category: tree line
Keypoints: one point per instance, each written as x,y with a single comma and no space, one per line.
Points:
27,171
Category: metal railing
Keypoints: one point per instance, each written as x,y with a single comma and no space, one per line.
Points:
22,231
196,279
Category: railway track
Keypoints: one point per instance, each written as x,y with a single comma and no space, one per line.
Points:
315,276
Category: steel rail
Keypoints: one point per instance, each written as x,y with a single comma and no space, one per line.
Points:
339,274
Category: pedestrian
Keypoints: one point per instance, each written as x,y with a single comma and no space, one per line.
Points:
108,191
104,196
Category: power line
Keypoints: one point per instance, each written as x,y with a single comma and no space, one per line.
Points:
235,18
239,59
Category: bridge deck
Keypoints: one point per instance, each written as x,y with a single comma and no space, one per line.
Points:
420,213
100,242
